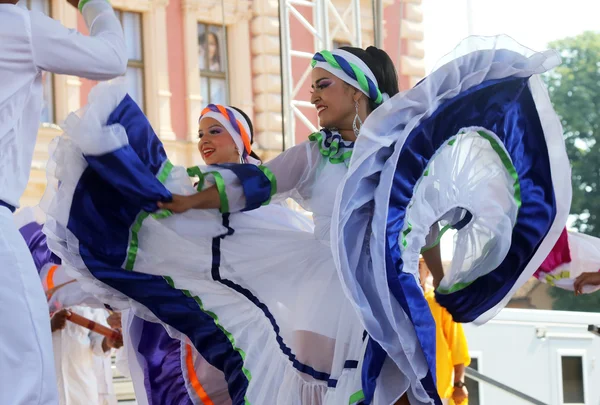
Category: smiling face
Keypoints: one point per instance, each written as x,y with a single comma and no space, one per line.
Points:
333,99
216,144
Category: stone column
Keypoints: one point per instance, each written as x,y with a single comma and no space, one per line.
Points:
412,65
266,72
156,59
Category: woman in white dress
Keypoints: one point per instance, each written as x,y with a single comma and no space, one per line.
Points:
285,311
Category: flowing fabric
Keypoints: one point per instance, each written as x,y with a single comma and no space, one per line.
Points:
169,371
573,254
476,147
255,292
62,290
281,309
173,372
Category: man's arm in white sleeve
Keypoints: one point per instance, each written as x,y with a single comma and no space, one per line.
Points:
100,56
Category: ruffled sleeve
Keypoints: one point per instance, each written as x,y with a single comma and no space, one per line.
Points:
244,187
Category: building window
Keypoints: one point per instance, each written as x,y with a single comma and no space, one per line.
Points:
47,115
212,63
132,27
472,385
572,380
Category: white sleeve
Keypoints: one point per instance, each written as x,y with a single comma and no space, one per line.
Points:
295,170
122,362
96,339
100,56
289,175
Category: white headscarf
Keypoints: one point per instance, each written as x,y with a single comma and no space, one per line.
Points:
223,115
340,73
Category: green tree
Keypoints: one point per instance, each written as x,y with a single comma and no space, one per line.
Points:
574,89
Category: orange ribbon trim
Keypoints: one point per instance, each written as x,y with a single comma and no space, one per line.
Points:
50,277
198,388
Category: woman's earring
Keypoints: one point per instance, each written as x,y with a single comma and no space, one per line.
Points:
355,127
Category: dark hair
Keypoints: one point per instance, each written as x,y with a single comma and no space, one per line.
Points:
254,155
382,67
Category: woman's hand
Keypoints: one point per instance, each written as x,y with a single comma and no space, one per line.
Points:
586,279
179,204
205,199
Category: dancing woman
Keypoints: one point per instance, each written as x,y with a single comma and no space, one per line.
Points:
289,308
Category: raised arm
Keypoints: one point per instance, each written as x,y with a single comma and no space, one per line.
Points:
240,187
100,56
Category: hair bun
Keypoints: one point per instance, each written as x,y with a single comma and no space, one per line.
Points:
374,51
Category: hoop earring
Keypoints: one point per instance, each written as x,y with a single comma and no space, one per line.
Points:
355,127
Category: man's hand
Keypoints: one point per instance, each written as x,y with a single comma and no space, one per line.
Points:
109,343
459,395
59,320
586,279
74,3
114,320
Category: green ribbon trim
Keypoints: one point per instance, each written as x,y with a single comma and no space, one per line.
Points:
134,246
505,159
552,278
218,323
460,286
438,239
361,78
267,172
195,171
165,172
357,396
162,214
405,234
134,242
454,287
512,171
220,183
82,3
333,152
215,319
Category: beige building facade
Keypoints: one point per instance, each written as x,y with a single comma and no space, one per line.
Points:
184,54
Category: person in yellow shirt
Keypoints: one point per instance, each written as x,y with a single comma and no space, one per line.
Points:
452,353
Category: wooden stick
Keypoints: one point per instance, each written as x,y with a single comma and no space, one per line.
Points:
93,326
51,291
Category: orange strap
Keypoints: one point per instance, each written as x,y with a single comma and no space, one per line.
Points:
50,277
189,361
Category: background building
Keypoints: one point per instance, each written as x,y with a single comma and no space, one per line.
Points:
184,54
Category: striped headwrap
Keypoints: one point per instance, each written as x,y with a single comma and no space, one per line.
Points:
352,70
236,125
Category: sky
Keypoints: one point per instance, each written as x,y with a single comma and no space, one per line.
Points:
533,23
